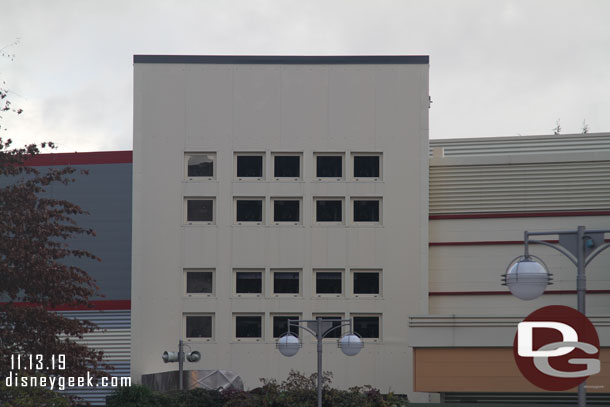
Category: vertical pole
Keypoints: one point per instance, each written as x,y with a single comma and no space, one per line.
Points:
180,364
581,290
319,337
526,248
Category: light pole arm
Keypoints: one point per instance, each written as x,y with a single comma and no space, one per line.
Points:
596,252
554,246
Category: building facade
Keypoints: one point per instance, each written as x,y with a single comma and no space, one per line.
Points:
484,193
272,188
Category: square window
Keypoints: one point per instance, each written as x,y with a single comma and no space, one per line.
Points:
336,333
286,210
366,282
200,165
249,210
329,166
249,282
329,282
366,210
287,166
199,282
367,326
200,210
286,282
198,326
249,326
367,166
249,166
280,325
329,210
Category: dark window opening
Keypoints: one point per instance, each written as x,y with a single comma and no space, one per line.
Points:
280,326
285,283
366,166
286,211
248,327
366,283
199,210
336,333
329,166
250,166
287,166
250,210
248,282
328,283
199,282
366,211
200,165
329,211
367,327
199,327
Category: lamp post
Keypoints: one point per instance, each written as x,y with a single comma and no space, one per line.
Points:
179,357
527,276
289,345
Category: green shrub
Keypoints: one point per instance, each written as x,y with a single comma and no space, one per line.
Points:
30,397
298,390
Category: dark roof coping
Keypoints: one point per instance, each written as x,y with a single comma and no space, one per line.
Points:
281,59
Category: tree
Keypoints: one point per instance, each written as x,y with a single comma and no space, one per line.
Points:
35,271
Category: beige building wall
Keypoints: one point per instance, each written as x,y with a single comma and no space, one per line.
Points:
207,105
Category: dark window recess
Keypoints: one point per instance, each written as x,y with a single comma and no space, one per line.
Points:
366,283
328,283
249,211
248,282
285,211
367,327
366,166
328,211
329,166
199,282
248,327
366,211
287,166
199,210
199,327
285,283
250,166
280,326
201,166
336,333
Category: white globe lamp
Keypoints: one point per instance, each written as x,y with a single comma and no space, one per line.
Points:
288,345
351,344
527,277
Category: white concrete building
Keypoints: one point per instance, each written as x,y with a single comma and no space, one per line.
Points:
274,187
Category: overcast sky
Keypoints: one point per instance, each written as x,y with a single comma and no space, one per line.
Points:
497,68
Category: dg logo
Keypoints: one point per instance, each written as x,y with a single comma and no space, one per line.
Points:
556,348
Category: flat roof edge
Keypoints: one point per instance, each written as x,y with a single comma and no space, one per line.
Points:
281,59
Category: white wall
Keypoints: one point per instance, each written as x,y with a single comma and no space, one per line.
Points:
266,108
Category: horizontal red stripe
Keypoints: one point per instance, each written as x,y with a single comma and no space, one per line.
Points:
517,215
97,305
508,292
94,157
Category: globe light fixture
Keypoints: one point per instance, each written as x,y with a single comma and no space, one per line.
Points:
351,344
288,344
527,277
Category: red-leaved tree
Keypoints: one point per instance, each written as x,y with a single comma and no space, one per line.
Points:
36,274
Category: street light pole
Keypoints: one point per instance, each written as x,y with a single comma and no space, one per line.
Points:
580,247
350,344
